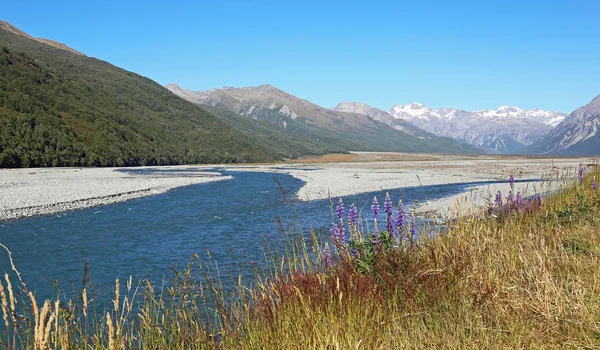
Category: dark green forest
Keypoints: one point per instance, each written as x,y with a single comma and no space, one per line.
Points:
61,109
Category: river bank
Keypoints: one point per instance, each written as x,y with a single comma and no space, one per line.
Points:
31,192
42,191
372,171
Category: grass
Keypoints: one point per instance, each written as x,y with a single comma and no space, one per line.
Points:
516,280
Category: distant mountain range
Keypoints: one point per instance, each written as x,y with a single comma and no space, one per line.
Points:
577,135
351,131
505,130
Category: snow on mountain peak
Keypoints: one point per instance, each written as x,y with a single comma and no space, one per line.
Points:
482,128
413,110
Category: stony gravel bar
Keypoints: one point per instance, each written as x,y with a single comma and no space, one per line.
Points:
381,172
31,192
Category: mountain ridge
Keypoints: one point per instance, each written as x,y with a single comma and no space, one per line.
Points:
577,135
10,28
506,130
355,131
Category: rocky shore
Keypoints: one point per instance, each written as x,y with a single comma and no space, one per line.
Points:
31,192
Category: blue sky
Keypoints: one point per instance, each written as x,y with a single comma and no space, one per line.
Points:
467,54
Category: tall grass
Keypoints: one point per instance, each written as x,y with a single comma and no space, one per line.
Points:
512,276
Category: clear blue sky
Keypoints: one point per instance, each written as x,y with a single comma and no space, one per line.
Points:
467,54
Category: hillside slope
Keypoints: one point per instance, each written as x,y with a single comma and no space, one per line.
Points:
58,108
577,135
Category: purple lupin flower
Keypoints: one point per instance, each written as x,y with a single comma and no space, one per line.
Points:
375,210
400,220
352,215
339,210
352,221
595,185
375,240
498,200
519,200
338,235
526,206
326,257
511,181
580,173
510,198
387,207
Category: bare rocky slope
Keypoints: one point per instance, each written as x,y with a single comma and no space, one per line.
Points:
577,135
351,131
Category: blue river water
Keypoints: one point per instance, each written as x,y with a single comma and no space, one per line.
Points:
144,238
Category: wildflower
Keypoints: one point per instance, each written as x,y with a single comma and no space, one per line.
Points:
580,173
594,185
375,208
387,204
526,206
352,215
519,200
387,207
375,240
498,200
339,210
511,180
510,198
327,258
338,235
400,220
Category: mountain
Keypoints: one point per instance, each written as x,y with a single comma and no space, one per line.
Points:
349,131
577,135
505,130
60,108
378,115
10,28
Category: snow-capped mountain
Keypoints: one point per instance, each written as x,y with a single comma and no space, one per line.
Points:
578,134
507,129
551,118
379,115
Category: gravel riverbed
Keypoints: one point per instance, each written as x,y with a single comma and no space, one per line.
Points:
31,192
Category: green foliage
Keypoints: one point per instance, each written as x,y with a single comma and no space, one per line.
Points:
61,109
363,252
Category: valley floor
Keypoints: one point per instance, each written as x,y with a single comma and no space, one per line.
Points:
30,192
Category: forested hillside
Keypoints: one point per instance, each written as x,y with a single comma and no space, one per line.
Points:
62,109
